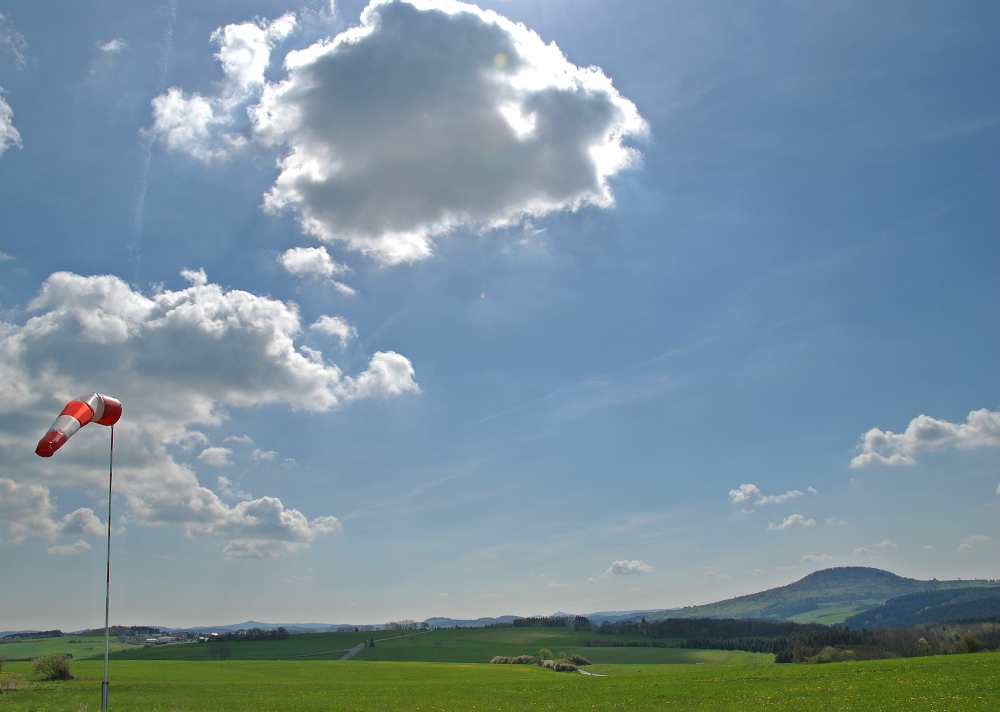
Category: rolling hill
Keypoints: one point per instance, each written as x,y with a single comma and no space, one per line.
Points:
827,596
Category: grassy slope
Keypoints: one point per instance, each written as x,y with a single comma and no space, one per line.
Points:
965,683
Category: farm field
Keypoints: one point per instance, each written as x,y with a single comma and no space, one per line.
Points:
955,683
463,645
77,646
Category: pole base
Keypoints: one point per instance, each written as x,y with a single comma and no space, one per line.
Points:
104,695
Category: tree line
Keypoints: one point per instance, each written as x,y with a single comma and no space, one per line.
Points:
252,634
810,642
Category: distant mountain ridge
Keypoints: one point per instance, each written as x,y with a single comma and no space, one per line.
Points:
830,593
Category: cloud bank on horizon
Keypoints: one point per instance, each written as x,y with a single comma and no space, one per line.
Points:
177,360
388,146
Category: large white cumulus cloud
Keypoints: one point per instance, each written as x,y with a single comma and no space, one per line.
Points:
924,434
427,117
176,359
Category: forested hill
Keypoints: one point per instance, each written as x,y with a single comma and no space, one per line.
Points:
846,589
969,603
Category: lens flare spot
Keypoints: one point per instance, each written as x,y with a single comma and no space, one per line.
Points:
500,60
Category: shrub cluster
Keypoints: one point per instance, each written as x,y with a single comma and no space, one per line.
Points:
519,660
559,665
53,666
562,665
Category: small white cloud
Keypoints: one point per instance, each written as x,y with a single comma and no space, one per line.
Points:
793,521
264,455
8,134
315,262
556,584
78,547
187,123
82,521
819,558
335,326
112,46
813,490
592,580
218,456
712,574
245,50
4,257
926,434
745,493
748,493
241,439
628,567
779,498
927,547
310,262
884,544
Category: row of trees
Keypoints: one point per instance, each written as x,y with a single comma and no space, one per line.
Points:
128,631
794,642
253,634
542,622
17,637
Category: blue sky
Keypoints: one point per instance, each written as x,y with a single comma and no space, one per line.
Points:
429,309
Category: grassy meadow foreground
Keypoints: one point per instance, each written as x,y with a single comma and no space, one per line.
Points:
959,683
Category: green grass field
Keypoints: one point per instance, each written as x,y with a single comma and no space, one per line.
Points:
75,645
439,646
956,683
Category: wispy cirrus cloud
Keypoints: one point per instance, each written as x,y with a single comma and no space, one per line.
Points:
751,493
971,541
926,434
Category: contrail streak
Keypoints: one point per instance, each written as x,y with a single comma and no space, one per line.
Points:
146,138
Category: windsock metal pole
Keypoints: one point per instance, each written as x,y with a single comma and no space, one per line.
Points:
107,588
103,410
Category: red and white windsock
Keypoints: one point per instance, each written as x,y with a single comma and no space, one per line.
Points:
92,407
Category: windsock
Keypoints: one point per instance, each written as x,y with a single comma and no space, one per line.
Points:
95,407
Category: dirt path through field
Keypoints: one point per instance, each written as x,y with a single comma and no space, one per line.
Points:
354,651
